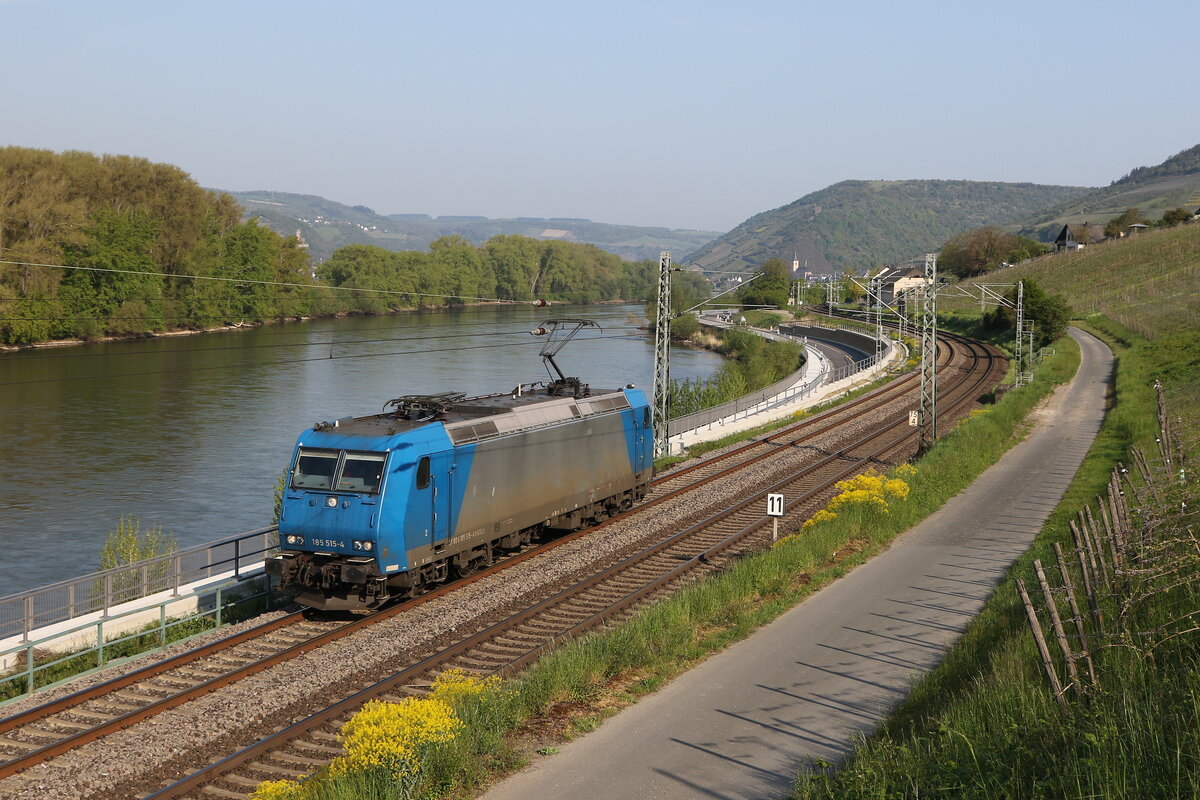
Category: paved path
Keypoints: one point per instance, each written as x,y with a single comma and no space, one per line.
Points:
740,724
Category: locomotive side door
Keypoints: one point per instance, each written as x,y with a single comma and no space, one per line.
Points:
645,435
441,479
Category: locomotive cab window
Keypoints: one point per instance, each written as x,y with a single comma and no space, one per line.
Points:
423,473
361,472
315,469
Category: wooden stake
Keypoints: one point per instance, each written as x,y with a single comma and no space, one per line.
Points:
1057,627
1036,627
1108,536
1083,542
1076,615
1090,590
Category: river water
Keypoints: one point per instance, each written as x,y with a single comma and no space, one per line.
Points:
190,432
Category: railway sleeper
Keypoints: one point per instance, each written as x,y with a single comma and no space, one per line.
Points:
275,765
298,762
486,658
64,725
17,746
317,748
240,780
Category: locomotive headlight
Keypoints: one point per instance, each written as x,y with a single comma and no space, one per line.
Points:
359,544
293,539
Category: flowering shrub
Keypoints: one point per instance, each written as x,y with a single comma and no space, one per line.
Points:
818,517
391,737
278,790
869,490
455,685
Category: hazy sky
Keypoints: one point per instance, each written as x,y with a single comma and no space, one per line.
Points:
693,115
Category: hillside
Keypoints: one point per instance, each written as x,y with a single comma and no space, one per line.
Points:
327,225
857,224
1171,184
1146,282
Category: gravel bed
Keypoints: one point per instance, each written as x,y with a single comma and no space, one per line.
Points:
133,761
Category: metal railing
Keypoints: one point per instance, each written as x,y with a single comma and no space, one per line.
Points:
240,555
777,394
36,661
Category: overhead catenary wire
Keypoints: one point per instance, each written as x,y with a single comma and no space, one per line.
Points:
256,282
254,364
49,356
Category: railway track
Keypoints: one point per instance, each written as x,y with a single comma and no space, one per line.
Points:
611,593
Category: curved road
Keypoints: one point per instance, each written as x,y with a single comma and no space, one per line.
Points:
742,723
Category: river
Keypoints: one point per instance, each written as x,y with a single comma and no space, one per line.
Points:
190,432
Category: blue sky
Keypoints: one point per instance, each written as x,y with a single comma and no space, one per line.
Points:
692,115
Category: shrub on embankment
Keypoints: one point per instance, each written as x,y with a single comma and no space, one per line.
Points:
573,688
985,723
752,363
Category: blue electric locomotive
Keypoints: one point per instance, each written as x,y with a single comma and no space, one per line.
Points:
377,507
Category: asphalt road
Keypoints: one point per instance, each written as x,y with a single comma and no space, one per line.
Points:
742,723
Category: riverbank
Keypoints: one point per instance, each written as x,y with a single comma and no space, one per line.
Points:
243,326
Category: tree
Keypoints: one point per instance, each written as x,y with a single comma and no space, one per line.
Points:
1175,216
117,302
769,290
1048,313
981,250
1117,225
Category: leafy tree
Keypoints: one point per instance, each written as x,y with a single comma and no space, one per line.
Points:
981,250
249,255
769,290
1049,313
684,326
1117,225
114,302
1175,216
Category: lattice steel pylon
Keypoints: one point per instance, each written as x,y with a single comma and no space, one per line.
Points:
927,410
877,295
1017,348
662,356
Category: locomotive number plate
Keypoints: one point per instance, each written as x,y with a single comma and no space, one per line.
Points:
327,543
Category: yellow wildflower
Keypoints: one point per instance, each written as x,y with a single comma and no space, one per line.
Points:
392,736
455,684
278,790
818,518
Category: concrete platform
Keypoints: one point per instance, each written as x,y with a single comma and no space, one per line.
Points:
742,723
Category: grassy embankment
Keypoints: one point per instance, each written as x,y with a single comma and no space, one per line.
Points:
573,689
984,723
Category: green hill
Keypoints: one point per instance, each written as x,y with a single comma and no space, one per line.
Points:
327,225
1171,184
857,224
1146,282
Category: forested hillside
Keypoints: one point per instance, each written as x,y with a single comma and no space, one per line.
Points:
117,245
1152,190
125,213
858,224
327,225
